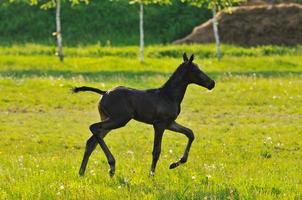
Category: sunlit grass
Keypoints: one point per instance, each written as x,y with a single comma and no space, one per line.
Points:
248,130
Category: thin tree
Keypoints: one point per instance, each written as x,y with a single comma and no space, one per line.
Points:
141,33
215,5
216,33
58,32
141,21
57,4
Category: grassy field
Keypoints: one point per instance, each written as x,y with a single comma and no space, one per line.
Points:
248,130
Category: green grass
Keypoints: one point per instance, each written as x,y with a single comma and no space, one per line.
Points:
248,129
156,51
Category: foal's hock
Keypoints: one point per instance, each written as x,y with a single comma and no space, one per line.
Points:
159,107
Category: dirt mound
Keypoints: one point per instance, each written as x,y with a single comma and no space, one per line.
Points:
253,25
259,2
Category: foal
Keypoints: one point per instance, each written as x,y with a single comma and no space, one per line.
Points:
159,107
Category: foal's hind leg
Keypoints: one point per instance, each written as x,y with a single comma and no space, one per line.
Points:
101,127
90,146
187,132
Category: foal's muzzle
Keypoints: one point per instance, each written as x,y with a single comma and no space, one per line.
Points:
211,85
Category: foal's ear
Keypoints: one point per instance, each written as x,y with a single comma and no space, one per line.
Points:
191,58
185,57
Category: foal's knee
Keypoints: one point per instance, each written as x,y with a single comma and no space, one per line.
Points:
94,128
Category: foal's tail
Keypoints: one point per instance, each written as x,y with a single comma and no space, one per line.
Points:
84,88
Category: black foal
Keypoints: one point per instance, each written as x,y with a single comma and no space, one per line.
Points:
159,107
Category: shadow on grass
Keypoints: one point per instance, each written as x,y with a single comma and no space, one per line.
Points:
94,75
101,75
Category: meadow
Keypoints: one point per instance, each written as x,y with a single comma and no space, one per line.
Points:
248,130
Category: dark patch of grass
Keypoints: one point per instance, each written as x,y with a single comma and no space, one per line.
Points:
106,75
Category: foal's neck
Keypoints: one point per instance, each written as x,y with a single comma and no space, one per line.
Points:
176,86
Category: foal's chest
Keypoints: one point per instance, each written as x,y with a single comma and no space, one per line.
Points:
167,110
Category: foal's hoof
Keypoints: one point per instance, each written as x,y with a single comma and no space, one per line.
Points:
152,173
81,173
111,172
173,165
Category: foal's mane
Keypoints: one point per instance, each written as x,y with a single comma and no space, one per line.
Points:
176,76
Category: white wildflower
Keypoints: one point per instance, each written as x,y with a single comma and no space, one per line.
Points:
130,152
268,140
92,172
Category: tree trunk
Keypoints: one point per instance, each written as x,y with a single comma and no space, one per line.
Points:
58,31
141,30
216,34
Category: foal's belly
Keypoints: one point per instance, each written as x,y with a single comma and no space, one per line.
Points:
144,120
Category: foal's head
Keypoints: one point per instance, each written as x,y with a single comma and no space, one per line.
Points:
195,75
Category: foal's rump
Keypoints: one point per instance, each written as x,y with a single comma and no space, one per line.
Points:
116,101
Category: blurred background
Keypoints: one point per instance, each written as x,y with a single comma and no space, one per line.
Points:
117,22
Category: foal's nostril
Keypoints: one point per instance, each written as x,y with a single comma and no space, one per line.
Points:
211,85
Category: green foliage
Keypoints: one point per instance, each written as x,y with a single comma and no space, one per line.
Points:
47,4
247,130
103,22
217,4
146,2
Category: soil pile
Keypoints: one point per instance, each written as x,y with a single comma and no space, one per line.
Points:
279,24
258,2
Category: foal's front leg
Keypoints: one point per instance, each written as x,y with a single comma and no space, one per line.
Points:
158,135
187,132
